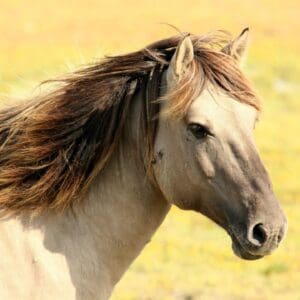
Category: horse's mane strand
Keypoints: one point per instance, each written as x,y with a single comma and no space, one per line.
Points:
52,147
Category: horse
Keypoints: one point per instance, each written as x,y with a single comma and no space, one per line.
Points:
90,168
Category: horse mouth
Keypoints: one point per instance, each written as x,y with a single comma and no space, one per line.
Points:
241,252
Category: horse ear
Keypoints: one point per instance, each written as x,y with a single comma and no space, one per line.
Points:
182,58
237,48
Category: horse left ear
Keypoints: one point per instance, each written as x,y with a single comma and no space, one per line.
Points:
237,48
182,58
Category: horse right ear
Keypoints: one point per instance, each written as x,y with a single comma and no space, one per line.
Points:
237,48
182,58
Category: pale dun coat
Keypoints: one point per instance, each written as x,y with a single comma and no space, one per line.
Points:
89,171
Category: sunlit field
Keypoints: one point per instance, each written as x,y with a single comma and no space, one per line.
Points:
189,257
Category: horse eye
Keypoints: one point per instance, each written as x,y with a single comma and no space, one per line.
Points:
199,131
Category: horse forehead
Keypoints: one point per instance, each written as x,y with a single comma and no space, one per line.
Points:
215,106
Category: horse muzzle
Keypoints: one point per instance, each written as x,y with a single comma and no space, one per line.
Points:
258,241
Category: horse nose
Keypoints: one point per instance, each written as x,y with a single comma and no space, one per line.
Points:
259,235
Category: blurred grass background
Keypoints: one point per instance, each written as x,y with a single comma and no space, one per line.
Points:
189,257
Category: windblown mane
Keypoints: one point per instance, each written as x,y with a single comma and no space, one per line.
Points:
51,148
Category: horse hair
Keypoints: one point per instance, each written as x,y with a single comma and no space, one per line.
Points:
53,146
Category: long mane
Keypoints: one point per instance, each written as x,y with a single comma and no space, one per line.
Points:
52,147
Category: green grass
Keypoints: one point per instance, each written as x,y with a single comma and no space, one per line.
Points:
189,257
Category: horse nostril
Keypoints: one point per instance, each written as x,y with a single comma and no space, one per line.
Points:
259,235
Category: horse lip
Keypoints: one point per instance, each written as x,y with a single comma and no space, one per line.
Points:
241,252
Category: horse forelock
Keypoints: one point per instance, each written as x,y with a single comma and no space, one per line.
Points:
52,148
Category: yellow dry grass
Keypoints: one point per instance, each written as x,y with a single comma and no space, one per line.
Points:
189,257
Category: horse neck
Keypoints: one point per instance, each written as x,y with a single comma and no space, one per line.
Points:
125,210
121,212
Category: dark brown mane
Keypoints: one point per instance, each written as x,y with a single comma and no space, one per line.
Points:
52,147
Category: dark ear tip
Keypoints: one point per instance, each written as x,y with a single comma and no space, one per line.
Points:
185,36
245,30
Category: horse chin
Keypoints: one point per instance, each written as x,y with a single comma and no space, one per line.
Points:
240,252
